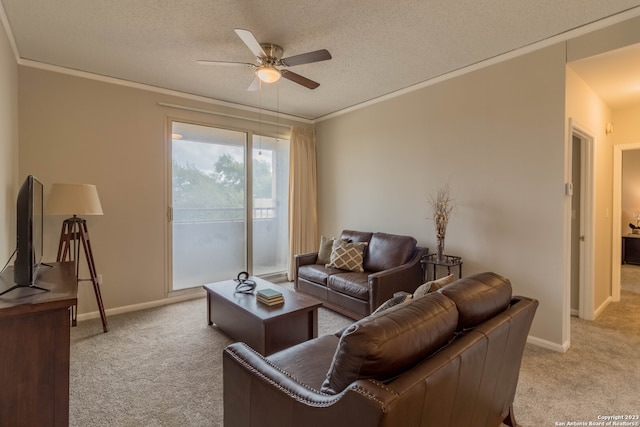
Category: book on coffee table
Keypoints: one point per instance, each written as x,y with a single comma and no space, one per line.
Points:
270,296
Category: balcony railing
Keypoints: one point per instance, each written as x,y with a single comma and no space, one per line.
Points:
193,215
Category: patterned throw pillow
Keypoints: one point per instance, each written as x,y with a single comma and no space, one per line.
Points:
347,255
433,286
392,302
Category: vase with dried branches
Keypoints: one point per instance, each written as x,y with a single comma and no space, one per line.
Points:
442,205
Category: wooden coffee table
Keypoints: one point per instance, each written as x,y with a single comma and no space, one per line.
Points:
264,328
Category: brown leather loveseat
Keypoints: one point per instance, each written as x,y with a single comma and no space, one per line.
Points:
450,358
391,264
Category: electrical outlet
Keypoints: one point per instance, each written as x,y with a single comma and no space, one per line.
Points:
100,279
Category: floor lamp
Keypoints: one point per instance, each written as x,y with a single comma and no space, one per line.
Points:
77,200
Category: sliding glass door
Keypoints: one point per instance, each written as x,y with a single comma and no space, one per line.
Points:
211,178
208,202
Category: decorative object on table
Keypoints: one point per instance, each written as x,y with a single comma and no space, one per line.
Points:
635,229
442,205
270,296
244,284
77,199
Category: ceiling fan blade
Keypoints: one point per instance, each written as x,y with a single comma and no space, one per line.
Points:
255,85
306,58
250,40
225,63
297,78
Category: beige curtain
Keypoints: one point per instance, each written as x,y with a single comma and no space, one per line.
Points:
303,194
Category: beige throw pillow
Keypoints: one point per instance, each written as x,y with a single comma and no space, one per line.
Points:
347,255
433,286
324,253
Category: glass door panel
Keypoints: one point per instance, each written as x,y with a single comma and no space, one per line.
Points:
208,230
270,185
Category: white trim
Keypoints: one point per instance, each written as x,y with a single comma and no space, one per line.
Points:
587,223
183,296
616,235
548,344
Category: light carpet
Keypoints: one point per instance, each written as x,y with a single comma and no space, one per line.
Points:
163,367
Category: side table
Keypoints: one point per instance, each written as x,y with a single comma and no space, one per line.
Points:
448,261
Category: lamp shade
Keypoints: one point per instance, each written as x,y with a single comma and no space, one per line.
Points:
73,199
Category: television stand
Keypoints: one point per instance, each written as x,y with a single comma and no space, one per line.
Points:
35,339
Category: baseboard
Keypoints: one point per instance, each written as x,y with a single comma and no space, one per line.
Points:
279,277
560,348
602,307
171,299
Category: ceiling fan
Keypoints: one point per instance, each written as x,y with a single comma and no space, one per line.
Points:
269,58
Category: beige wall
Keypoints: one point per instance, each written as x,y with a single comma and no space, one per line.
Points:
497,136
8,147
74,129
627,126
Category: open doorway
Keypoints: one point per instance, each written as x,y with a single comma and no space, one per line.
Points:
621,215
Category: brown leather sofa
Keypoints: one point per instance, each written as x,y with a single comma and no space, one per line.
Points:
450,358
391,264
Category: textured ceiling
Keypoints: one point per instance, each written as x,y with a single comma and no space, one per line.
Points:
378,46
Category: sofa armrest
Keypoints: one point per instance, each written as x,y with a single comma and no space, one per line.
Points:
404,278
255,389
305,259
300,260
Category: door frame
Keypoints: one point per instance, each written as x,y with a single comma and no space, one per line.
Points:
616,235
586,309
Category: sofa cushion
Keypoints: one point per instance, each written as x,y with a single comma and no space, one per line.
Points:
479,297
433,285
384,345
347,255
317,273
388,250
353,284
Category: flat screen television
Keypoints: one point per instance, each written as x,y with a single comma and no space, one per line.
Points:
29,234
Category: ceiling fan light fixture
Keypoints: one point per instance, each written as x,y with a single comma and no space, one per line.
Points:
268,74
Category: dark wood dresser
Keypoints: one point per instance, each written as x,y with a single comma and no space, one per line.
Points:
631,249
34,348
